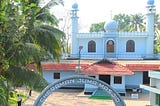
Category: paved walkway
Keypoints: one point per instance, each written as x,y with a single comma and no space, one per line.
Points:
72,97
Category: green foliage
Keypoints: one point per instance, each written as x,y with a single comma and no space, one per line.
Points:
11,94
137,23
2,97
157,24
2,92
157,34
97,27
157,44
29,78
13,100
123,21
28,31
28,34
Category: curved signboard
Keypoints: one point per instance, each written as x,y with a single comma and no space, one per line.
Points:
78,79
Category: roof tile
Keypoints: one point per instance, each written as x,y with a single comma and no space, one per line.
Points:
108,69
143,67
60,67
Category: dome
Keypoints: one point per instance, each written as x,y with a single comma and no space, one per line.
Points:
150,2
75,6
111,26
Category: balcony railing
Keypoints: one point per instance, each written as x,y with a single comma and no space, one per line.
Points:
105,34
114,56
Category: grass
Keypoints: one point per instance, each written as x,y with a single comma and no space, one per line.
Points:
13,98
100,97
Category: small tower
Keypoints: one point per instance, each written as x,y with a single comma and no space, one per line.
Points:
150,27
74,18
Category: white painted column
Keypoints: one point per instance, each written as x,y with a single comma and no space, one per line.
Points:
152,98
74,46
150,30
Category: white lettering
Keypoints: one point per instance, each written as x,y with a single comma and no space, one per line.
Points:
83,81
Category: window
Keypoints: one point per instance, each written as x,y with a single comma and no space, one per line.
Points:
146,79
110,46
130,46
117,79
91,46
56,75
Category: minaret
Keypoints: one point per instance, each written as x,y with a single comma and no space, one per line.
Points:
74,46
150,27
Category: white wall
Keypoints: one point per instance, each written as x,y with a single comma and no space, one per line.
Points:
118,86
84,43
48,75
89,55
140,45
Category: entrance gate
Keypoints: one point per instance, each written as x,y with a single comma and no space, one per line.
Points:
78,79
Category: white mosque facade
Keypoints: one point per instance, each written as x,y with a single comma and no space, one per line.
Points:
128,75
111,43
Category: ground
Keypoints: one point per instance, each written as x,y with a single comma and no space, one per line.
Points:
74,97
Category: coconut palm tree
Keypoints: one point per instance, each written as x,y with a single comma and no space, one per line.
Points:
28,34
123,21
157,24
157,44
137,23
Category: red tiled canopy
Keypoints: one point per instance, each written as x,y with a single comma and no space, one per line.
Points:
143,67
57,67
102,67
107,68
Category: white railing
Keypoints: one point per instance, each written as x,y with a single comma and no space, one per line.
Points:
90,35
137,34
105,34
115,56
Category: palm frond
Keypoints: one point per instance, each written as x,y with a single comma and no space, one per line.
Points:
48,38
57,33
52,3
45,16
28,78
28,53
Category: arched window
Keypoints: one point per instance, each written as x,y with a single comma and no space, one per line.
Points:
91,46
110,46
130,46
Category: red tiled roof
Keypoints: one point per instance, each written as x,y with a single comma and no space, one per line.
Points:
107,69
59,67
103,68
143,67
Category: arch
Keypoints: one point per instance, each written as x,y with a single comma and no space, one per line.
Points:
110,46
91,46
79,79
130,46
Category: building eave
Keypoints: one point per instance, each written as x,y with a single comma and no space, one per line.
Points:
151,88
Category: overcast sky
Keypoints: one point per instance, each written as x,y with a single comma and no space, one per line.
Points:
94,11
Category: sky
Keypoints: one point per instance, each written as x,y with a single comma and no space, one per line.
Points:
94,11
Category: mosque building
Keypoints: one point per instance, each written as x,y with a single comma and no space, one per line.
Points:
109,48
111,43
